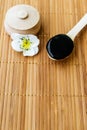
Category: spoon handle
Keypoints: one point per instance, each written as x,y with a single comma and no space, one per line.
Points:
78,27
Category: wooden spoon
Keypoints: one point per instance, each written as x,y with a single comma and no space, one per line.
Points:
61,46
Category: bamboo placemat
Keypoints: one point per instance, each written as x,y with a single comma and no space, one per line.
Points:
37,93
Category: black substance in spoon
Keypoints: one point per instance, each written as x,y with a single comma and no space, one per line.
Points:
59,46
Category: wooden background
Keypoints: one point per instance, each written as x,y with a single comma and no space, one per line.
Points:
37,93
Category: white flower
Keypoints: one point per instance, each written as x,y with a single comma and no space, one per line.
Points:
28,44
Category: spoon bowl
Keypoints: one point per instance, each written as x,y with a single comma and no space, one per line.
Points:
59,46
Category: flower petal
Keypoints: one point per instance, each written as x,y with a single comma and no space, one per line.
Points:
16,36
31,52
16,46
36,50
35,41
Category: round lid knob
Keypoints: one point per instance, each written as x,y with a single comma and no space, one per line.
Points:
22,14
22,19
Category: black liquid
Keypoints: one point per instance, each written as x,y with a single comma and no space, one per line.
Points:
59,46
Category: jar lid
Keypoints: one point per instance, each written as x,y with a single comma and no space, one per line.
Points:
23,19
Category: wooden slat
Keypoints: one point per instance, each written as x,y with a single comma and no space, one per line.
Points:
43,112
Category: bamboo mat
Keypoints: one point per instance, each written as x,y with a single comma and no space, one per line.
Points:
37,93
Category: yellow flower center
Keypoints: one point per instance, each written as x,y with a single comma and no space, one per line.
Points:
26,44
